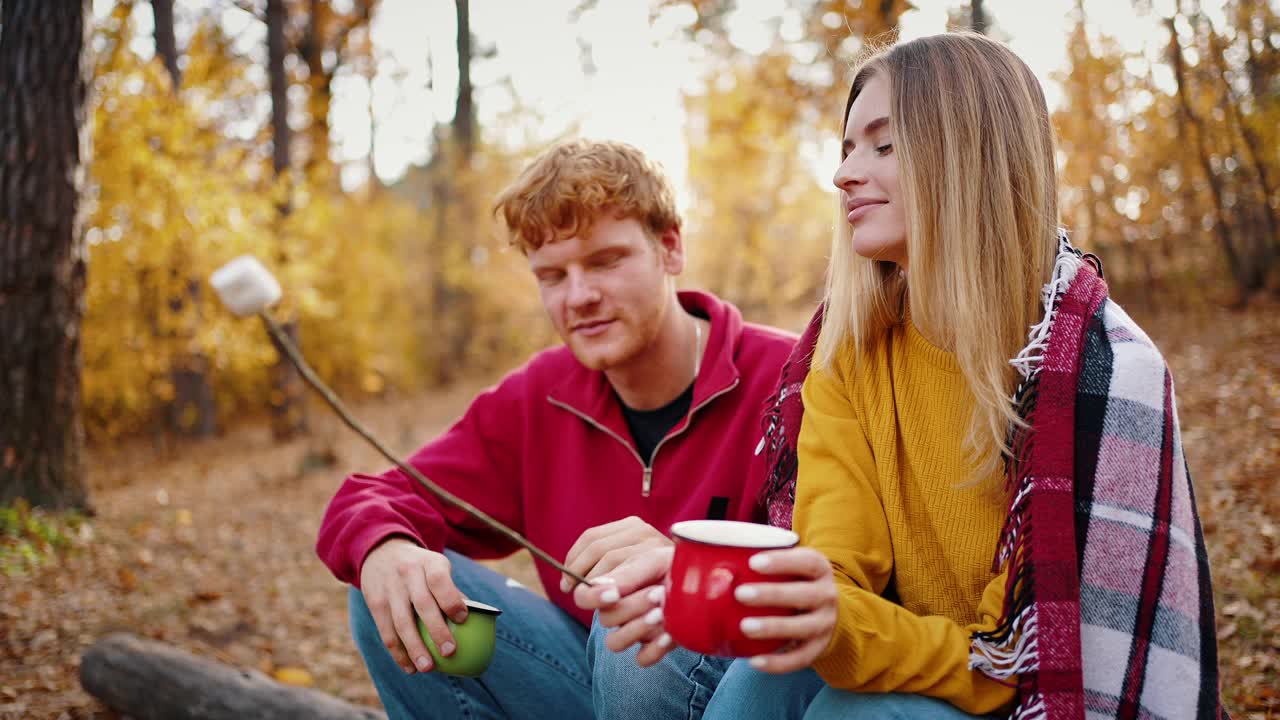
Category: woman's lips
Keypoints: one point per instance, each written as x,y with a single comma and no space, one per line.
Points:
861,210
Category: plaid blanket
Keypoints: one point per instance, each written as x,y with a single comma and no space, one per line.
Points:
1102,544
780,428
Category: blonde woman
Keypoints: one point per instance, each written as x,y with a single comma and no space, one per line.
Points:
991,489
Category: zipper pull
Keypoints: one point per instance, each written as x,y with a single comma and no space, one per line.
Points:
647,484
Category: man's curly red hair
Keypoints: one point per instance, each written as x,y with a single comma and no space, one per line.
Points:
566,188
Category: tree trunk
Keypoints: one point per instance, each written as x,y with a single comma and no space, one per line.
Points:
166,44
44,76
977,17
464,114
453,307
1260,65
280,133
319,86
288,418
325,36
1239,273
192,411
1253,146
288,391
152,681
890,16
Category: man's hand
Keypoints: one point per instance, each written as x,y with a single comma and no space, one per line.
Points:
630,599
399,578
814,596
605,547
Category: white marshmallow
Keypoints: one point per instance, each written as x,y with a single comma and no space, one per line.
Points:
245,286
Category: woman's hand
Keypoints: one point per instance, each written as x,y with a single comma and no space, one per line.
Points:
629,599
814,596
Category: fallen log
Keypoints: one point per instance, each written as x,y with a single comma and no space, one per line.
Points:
149,680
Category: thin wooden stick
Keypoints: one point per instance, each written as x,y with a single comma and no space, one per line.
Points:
295,356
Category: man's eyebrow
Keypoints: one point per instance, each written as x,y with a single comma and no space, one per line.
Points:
609,250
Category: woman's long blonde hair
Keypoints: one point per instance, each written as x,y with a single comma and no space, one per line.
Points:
975,155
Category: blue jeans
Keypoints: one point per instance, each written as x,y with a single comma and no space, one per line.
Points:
745,692
545,664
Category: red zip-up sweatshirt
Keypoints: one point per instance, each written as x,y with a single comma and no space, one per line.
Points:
548,452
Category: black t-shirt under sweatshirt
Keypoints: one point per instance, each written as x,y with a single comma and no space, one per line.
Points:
648,427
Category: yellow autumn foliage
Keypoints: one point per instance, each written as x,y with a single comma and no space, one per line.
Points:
760,224
1168,169
176,192
1175,184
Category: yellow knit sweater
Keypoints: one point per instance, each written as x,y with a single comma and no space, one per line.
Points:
884,492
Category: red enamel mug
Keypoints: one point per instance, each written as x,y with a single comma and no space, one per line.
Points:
710,562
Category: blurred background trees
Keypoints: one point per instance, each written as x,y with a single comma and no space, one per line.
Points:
208,146
1170,159
188,171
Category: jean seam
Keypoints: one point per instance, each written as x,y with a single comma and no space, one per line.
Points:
698,686
460,696
544,658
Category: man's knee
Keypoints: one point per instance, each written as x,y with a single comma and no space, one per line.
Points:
679,685
363,629
605,664
358,610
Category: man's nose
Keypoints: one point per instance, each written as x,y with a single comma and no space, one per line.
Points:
582,291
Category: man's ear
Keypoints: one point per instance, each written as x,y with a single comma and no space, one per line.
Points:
671,250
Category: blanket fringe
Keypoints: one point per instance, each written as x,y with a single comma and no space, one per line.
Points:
1065,266
1002,662
1030,707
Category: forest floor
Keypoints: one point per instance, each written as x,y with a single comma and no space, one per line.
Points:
209,545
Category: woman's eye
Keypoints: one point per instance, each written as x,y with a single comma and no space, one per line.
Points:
884,149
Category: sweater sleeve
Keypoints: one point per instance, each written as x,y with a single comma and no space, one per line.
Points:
477,459
877,646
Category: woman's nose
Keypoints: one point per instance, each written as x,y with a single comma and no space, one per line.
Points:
849,173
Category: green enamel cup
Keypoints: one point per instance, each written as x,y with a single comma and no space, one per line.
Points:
475,638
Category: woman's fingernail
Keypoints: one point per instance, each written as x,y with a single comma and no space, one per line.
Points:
664,640
460,617
610,596
759,562
758,662
603,580
447,649
424,663
654,616
746,593
564,585
655,595
751,625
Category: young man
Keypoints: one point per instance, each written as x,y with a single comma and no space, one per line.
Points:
648,414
